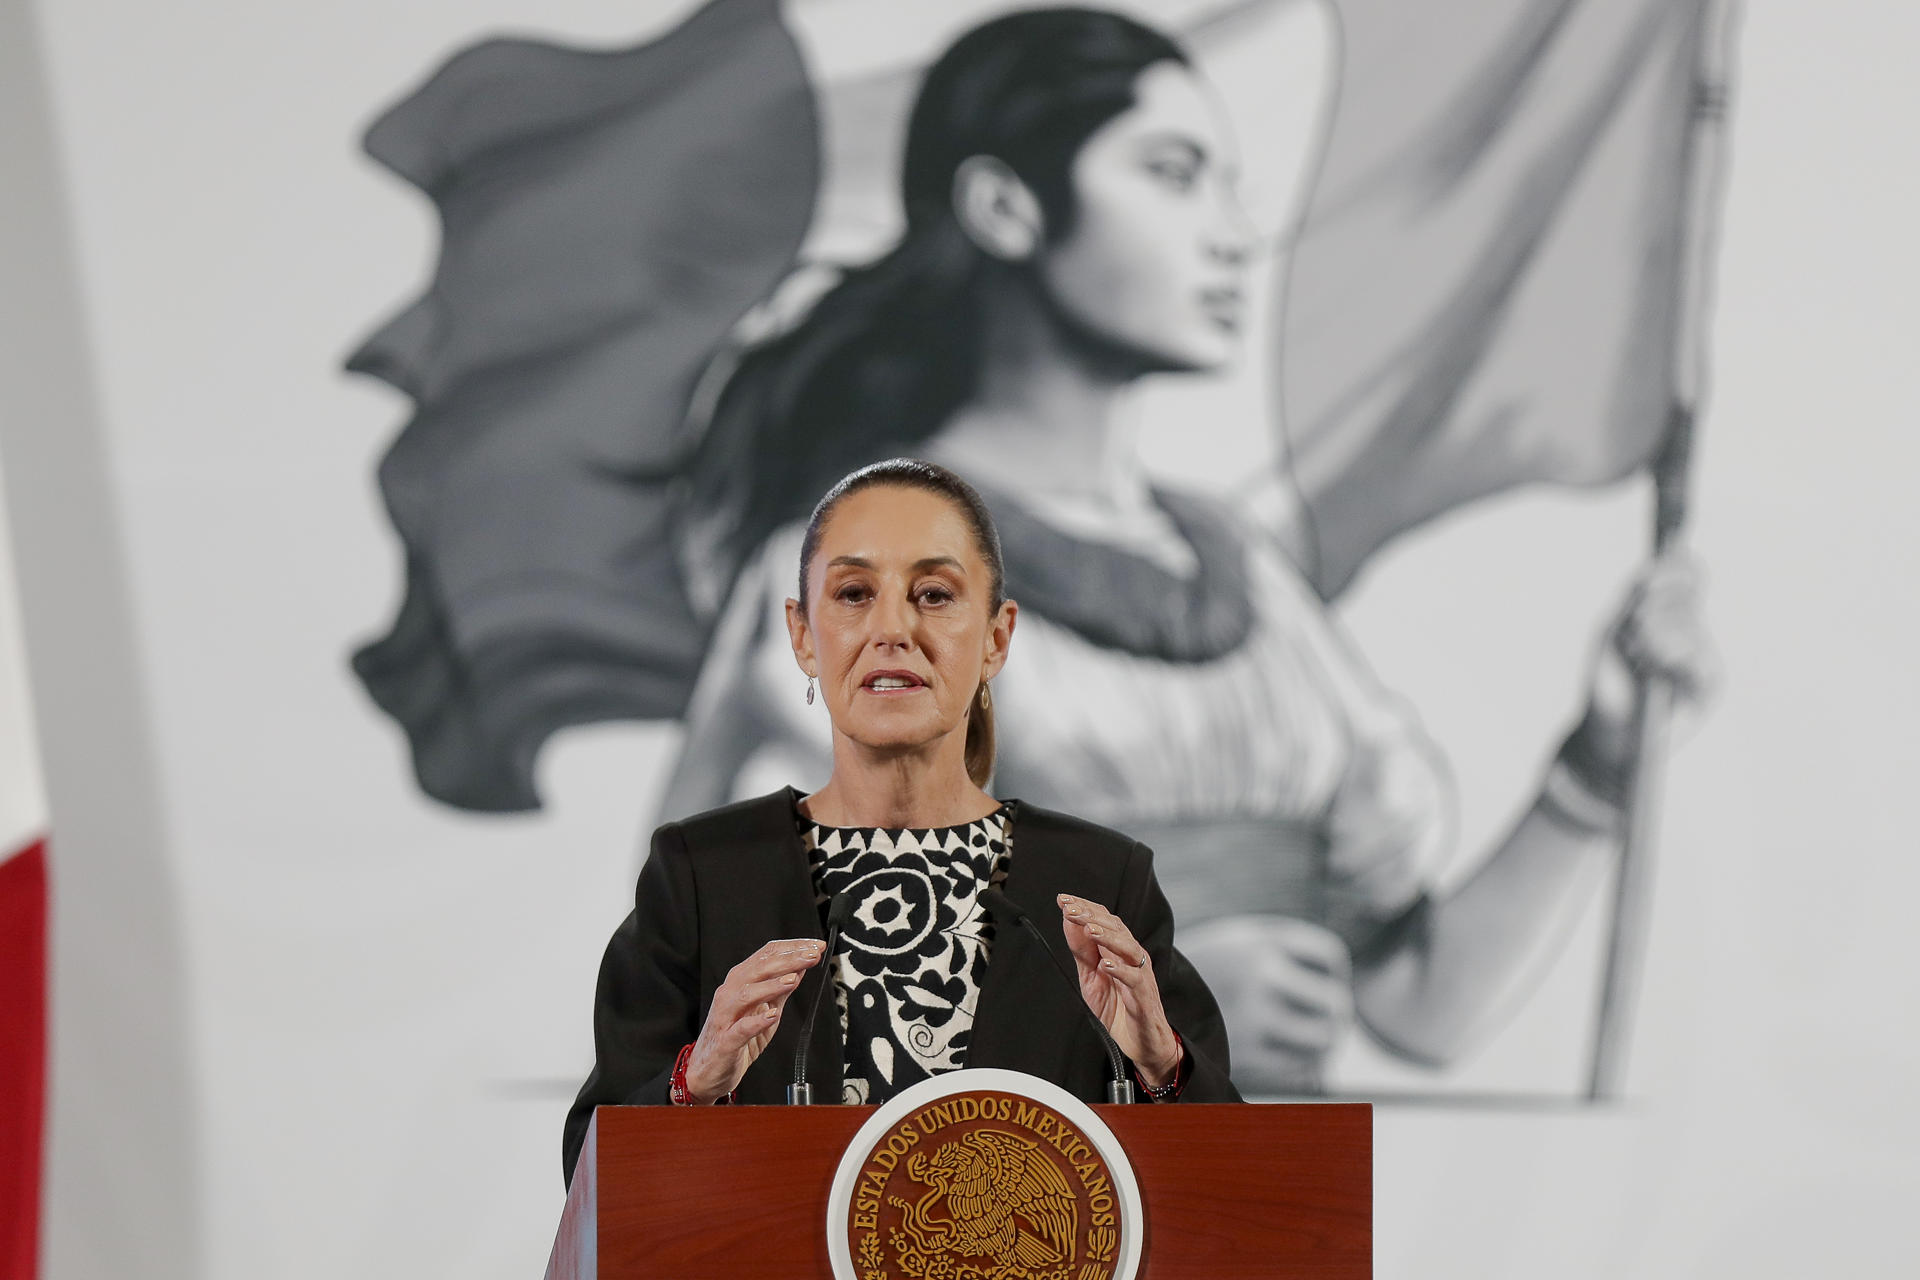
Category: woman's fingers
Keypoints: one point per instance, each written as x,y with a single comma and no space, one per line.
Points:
1282,987
758,1021
1138,989
1308,1020
785,955
1311,946
1661,630
1116,941
1292,1032
1134,1015
1128,1001
751,999
1134,975
1090,926
1306,991
759,986
746,1010
1086,951
770,974
1294,991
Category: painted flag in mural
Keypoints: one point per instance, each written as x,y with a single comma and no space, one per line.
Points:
1487,287
23,948
597,248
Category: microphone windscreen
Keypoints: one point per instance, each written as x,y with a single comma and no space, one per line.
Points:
839,911
1001,906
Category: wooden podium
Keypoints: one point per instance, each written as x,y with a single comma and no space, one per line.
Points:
741,1192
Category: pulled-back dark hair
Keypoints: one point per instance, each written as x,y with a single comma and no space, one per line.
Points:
931,477
894,349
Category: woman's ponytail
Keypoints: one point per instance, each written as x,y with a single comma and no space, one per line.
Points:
878,364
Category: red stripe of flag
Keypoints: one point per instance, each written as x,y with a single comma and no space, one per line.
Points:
23,1056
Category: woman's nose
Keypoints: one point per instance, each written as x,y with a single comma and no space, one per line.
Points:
892,621
1233,238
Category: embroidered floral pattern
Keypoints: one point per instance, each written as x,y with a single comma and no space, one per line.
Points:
907,974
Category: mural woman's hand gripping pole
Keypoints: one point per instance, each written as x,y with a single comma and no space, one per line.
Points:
1655,690
1666,658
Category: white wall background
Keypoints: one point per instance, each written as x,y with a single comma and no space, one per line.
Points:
355,1066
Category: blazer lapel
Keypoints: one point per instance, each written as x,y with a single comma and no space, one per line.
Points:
1028,1018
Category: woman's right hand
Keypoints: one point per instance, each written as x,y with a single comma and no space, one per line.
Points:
745,1013
1285,987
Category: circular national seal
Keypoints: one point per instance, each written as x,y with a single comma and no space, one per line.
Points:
984,1175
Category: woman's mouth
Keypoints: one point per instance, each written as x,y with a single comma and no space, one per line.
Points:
1225,307
892,682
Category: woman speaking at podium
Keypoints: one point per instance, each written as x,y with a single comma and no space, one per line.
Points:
900,625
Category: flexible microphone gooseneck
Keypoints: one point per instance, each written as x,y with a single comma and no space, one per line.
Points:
1120,1088
839,911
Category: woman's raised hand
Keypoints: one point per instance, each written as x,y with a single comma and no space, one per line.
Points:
745,1014
1116,978
1658,632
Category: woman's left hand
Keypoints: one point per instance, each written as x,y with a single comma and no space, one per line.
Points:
1116,979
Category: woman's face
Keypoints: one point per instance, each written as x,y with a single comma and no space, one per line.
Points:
1156,260
900,627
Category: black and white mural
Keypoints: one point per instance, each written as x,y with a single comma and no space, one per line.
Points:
1341,380
1214,299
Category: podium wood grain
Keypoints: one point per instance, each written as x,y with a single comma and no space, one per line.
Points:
664,1193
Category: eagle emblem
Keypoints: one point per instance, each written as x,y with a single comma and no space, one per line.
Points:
984,1175
991,1195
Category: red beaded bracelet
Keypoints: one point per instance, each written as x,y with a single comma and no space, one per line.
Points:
1171,1089
681,1096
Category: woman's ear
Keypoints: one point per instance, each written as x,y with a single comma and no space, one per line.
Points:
996,209
800,635
999,639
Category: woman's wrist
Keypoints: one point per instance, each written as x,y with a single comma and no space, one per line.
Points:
685,1092
1567,798
1586,784
1164,1082
1595,756
1161,1070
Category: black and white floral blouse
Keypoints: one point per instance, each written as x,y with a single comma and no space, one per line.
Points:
907,973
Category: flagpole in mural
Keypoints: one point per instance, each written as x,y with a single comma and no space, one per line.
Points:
1672,470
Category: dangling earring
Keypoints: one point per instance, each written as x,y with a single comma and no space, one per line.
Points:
809,690
986,697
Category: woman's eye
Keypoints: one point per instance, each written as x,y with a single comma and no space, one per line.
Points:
850,595
935,595
1174,174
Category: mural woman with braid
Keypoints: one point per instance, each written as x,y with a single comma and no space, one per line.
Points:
1073,226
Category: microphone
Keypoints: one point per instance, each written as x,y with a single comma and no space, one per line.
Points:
839,911
1120,1088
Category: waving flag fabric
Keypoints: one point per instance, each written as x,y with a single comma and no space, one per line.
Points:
608,217
1486,288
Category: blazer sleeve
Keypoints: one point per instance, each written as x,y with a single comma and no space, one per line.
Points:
1191,1008
647,1001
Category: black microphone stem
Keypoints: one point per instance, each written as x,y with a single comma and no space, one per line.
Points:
800,1092
1120,1088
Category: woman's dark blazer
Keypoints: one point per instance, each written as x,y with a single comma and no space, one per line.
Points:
720,885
